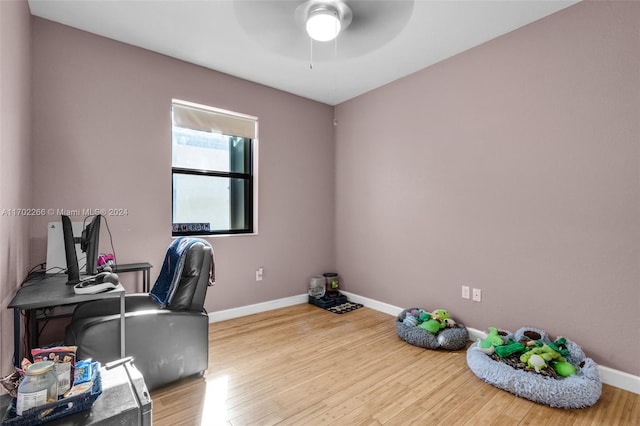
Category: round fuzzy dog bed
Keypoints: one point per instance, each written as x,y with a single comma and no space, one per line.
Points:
450,338
579,390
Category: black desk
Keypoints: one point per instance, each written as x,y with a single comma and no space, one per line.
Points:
45,291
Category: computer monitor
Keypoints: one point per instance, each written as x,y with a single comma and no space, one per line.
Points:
73,271
89,243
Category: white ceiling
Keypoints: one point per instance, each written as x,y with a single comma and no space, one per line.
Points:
262,41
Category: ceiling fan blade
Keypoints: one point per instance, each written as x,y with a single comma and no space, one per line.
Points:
277,26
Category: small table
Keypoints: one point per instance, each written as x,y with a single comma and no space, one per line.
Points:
46,291
145,267
124,400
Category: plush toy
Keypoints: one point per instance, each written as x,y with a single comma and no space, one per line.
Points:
431,325
564,369
486,346
536,362
560,346
494,338
419,314
533,344
544,353
528,354
440,315
489,344
507,350
549,354
410,321
450,322
436,322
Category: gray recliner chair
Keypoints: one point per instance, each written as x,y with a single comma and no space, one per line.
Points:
166,342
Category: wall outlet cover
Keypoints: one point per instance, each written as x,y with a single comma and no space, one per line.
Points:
477,295
465,292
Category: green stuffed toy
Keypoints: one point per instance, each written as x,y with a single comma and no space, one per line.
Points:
436,322
551,352
505,351
560,346
419,314
564,369
536,362
545,352
494,338
440,315
491,342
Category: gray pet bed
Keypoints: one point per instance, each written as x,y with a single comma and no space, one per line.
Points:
451,339
582,389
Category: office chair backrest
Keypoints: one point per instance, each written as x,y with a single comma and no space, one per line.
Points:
194,280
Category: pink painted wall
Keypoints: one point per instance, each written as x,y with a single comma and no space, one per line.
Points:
15,162
514,168
102,139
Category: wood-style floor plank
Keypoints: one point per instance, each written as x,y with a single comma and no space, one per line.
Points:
302,365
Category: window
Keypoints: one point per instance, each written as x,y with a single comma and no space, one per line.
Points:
212,170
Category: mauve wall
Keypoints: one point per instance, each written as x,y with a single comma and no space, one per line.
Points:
15,165
514,168
102,139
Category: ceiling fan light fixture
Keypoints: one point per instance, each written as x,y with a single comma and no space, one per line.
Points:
324,23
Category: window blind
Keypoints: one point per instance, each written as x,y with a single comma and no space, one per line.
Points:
195,117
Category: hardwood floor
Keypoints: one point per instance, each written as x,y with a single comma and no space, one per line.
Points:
302,365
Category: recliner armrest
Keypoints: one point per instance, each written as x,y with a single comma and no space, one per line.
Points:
104,307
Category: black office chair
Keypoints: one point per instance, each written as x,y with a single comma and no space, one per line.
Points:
167,341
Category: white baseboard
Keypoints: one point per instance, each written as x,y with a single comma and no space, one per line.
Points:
475,334
257,308
609,376
619,379
373,304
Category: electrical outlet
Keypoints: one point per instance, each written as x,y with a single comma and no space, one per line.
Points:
477,295
259,273
465,292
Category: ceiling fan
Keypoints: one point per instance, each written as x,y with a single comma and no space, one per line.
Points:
361,26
